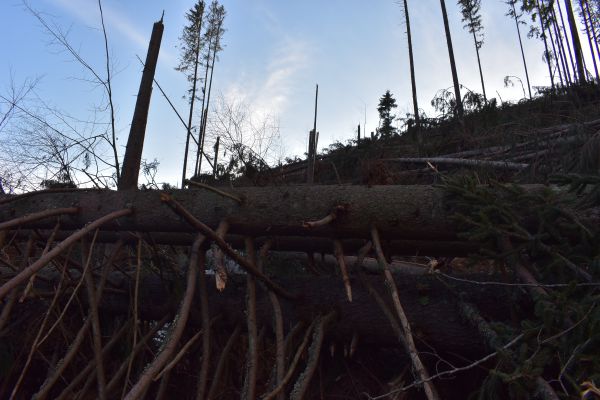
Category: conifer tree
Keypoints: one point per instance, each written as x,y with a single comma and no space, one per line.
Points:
513,13
386,118
192,43
471,16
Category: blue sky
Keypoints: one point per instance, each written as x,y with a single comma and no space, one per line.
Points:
275,52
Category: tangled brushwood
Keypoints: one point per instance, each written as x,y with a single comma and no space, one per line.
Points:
194,294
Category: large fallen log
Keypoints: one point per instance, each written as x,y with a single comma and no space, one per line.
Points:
399,212
430,307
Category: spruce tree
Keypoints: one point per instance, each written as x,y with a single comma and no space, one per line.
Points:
471,16
386,118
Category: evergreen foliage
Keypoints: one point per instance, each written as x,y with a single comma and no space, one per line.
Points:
560,324
386,104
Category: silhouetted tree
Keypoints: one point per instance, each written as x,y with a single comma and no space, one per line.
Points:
537,9
412,66
513,13
192,43
386,104
576,43
471,16
587,22
459,106
214,34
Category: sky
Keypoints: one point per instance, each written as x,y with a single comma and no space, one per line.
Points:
275,52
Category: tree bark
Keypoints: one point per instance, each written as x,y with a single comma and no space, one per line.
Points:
459,105
576,42
412,71
135,142
431,309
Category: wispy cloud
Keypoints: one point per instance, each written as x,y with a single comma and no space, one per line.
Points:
114,20
269,91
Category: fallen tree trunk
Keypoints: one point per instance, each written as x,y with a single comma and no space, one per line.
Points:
430,307
306,244
399,212
467,162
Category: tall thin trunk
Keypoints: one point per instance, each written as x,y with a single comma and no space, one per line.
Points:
412,68
589,36
546,52
203,113
212,70
521,46
593,28
459,105
556,56
564,29
576,43
480,70
192,100
561,49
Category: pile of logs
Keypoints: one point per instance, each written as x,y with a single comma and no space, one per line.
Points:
128,244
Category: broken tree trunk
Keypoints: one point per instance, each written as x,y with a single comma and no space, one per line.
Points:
135,142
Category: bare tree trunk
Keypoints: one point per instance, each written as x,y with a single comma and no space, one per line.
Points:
561,49
556,56
593,28
576,43
546,52
459,105
481,71
412,70
203,129
588,29
192,100
522,51
566,39
135,143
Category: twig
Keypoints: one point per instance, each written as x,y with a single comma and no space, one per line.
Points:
449,372
240,201
142,343
332,216
37,216
278,323
249,388
205,312
34,346
58,249
430,390
179,325
108,87
179,355
8,306
67,392
293,365
64,362
303,382
339,254
179,209
49,242
93,315
222,361
136,292
536,284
